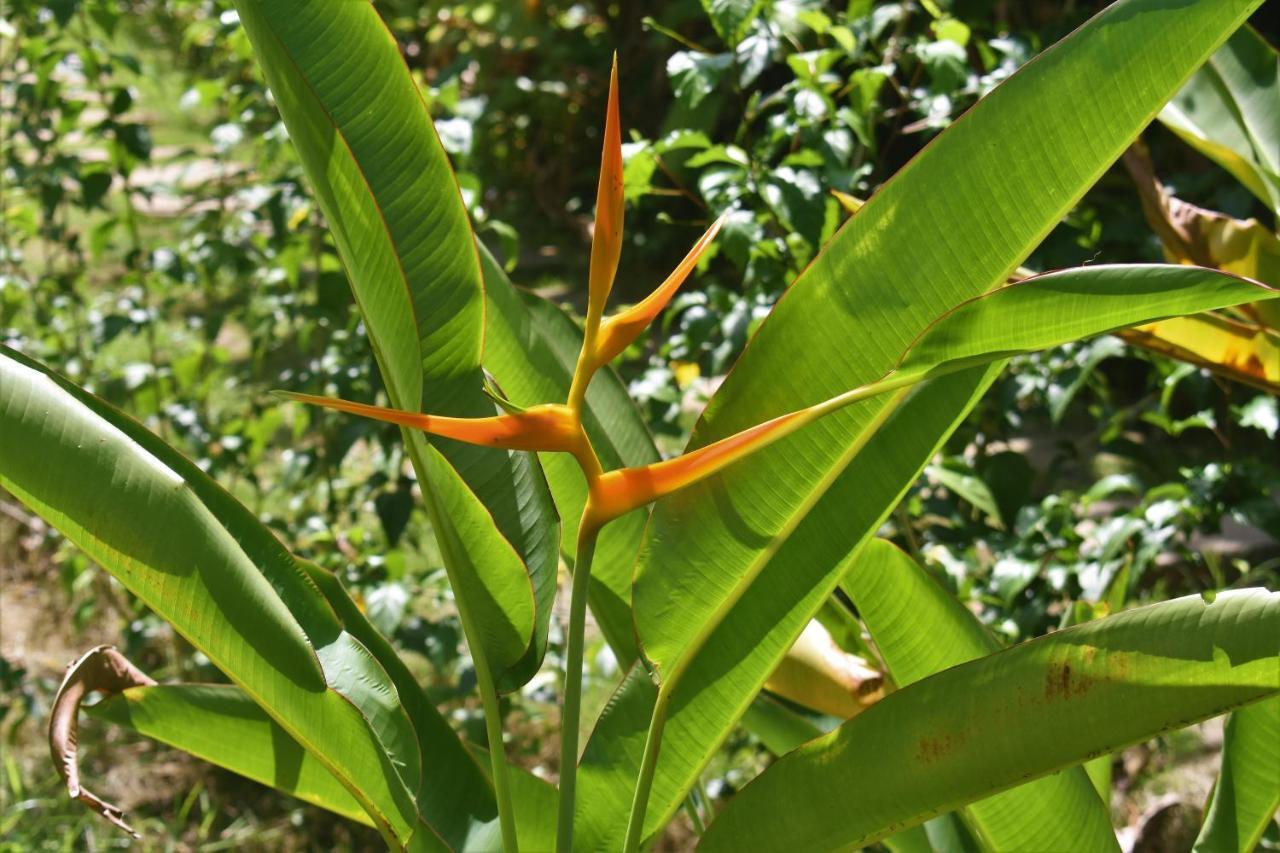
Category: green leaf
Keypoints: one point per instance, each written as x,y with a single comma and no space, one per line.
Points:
222,725
1227,111
204,563
730,18
921,629
720,686
757,549
984,726
532,347
1245,799
454,795
392,202
1046,310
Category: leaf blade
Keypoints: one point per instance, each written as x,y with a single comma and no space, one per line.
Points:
921,629
940,743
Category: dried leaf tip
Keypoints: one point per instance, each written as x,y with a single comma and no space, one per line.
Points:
102,668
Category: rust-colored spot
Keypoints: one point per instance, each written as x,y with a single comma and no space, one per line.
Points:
931,749
1062,683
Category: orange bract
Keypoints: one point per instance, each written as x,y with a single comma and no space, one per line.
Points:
558,428
547,427
606,242
619,331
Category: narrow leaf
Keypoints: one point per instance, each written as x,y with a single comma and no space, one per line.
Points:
382,178
222,725
987,725
921,629
1245,799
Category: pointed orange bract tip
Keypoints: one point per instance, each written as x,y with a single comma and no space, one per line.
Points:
542,428
606,242
618,492
619,331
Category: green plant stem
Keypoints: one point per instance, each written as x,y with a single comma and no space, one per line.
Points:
497,749
644,782
691,809
587,535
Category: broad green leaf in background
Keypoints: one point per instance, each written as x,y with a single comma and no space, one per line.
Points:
1227,111
454,795
1247,794
760,547
220,724
204,563
730,18
986,725
391,200
921,629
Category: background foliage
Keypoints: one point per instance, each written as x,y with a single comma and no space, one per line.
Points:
160,248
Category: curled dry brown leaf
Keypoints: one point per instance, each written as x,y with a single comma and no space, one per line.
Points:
103,669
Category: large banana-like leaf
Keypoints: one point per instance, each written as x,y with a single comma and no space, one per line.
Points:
458,801
984,726
756,550
921,629
391,200
1227,111
1247,794
203,562
222,725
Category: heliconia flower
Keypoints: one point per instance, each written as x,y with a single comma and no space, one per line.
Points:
543,428
619,331
558,428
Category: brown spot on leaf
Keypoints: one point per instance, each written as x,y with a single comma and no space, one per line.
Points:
1061,682
931,749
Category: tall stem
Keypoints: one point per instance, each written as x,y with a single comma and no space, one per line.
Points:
587,535
644,782
497,749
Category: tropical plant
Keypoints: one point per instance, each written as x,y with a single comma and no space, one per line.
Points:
1223,112
846,391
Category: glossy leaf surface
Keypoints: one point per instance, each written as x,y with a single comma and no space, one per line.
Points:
382,178
1227,111
205,564
222,725
763,544
984,726
1247,794
921,629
